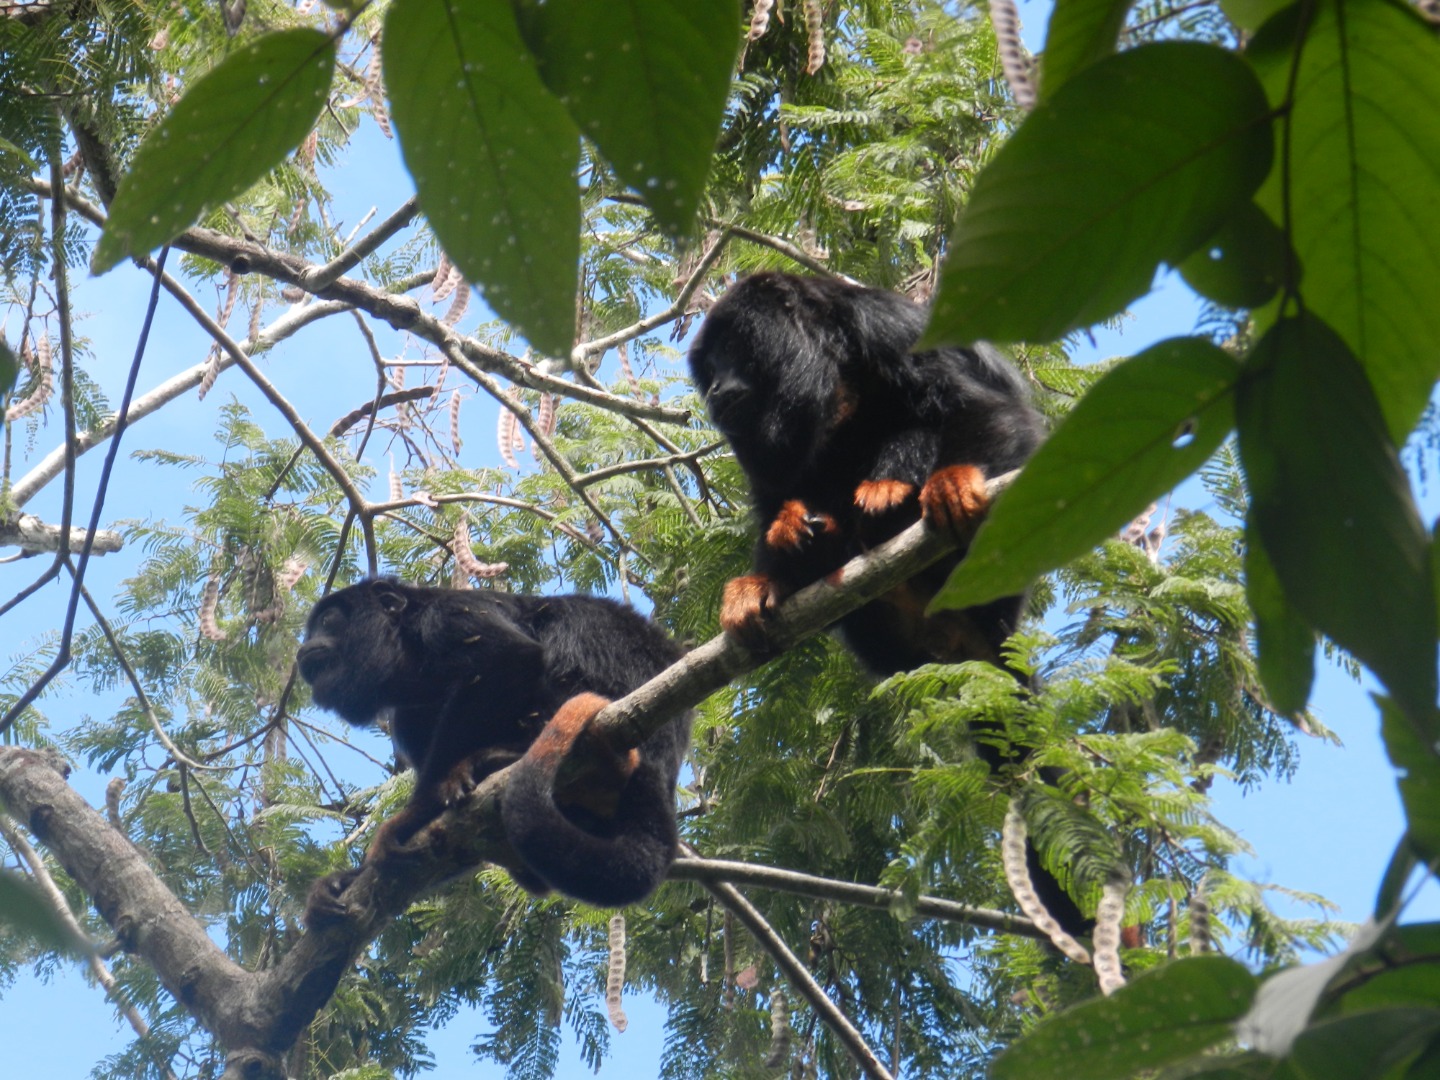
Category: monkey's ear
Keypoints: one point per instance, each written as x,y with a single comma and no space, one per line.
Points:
391,600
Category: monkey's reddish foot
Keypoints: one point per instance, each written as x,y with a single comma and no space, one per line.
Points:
954,498
879,496
794,525
743,608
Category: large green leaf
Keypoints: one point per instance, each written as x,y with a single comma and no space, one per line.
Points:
493,154
646,80
1333,508
1419,778
1079,33
1141,429
1364,1046
1284,642
227,131
1133,162
1364,184
1163,1016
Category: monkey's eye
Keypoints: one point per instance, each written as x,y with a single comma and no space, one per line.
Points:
332,622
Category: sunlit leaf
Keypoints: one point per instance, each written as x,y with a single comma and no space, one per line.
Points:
493,154
1364,148
1333,508
1133,162
1163,1016
1140,430
646,80
227,131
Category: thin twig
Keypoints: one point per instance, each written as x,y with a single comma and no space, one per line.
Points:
695,868
798,976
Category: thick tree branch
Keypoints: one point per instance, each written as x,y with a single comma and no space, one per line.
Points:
35,537
632,719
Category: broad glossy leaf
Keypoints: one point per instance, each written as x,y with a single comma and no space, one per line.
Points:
493,154
1285,644
646,80
1134,161
1079,33
1163,1016
1141,429
228,130
1364,202
1333,507
1243,264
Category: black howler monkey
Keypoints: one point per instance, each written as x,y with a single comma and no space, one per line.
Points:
475,681
847,437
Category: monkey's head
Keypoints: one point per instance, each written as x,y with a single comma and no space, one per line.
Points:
385,645
768,361
354,651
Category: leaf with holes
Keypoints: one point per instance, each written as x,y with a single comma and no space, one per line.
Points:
493,154
1242,265
646,80
1134,161
228,130
1144,427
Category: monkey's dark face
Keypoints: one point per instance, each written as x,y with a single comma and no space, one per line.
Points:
351,651
770,373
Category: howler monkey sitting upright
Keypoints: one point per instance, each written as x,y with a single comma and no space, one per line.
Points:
847,438
475,681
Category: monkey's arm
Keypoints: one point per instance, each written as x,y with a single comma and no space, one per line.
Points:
590,822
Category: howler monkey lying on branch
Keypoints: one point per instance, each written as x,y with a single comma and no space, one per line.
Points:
475,681
847,438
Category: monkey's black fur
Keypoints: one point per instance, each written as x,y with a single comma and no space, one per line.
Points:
471,679
813,383
847,438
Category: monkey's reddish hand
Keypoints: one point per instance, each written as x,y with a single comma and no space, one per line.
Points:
881,496
955,498
589,773
744,606
795,524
